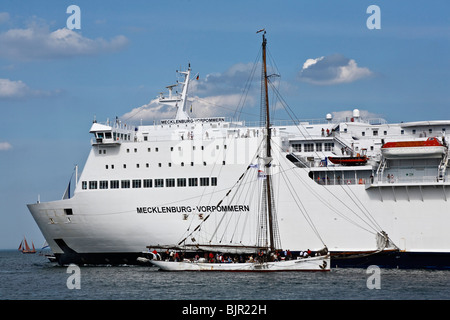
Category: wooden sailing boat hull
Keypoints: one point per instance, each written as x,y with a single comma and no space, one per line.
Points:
320,263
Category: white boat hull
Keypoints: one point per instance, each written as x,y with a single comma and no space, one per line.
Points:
320,263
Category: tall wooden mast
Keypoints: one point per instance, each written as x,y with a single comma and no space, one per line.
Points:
268,154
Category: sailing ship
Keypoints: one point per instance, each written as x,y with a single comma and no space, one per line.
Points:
25,248
267,245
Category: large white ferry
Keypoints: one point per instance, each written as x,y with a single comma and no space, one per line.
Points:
355,181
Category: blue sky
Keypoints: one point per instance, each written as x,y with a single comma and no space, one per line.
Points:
54,81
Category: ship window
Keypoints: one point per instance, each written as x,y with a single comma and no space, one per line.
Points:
181,182
159,183
114,184
296,147
112,166
106,166
385,133
192,164
363,133
99,134
156,149
104,184
145,138
414,131
193,182
318,146
182,164
136,183
170,183
309,147
125,184
135,150
223,162
214,181
92,184
147,183
128,150
329,146
148,149
108,135
171,148
224,146
137,165
204,182
430,131
124,166
375,132
147,165
402,132
68,211
159,164
170,164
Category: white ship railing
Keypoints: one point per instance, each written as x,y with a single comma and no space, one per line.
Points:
384,181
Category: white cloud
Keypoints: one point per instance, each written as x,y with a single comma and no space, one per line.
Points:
5,146
231,81
310,62
150,111
330,70
38,42
10,89
216,94
348,114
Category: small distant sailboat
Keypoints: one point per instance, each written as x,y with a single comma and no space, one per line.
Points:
25,248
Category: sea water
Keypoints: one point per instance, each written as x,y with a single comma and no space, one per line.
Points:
33,277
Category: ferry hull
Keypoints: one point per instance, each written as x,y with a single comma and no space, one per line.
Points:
112,230
396,260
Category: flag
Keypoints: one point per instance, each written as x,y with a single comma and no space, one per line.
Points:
191,107
197,77
254,166
261,174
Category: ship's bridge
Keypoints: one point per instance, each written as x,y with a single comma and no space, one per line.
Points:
107,135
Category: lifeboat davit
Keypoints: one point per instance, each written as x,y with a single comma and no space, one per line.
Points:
430,148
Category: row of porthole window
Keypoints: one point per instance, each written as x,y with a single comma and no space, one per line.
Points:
147,165
149,183
103,151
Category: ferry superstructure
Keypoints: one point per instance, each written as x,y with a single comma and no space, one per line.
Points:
149,183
